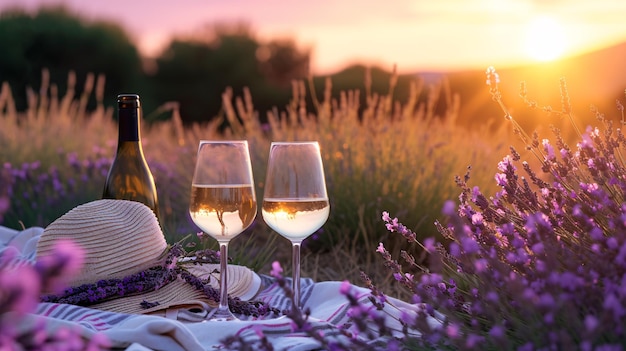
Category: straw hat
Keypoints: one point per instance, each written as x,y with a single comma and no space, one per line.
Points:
122,238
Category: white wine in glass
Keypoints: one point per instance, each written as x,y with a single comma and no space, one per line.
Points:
223,202
295,202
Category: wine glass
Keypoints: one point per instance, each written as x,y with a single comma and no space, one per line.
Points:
223,202
295,203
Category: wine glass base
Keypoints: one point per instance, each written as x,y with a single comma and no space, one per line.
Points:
217,315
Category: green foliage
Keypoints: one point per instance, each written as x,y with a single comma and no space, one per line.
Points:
60,42
194,72
282,61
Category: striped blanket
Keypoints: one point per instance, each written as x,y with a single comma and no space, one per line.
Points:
329,315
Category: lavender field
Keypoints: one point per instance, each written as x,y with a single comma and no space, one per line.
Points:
527,251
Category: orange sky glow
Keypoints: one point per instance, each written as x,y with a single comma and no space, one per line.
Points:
415,35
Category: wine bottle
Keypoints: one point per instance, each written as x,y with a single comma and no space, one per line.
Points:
129,177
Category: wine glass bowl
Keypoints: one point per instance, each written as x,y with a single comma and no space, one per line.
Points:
295,201
223,202
222,211
295,219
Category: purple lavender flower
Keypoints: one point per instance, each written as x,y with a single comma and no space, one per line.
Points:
277,270
20,287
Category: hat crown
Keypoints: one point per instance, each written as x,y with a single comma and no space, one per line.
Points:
120,238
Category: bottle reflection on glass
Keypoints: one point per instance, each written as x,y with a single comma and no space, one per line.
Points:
129,177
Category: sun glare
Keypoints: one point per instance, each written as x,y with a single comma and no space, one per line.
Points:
545,39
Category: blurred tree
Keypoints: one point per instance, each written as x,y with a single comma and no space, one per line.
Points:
60,41
196,71
281,61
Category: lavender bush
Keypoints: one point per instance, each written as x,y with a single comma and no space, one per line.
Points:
39,194
541,264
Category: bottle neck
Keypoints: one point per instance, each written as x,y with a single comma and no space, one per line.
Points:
128,119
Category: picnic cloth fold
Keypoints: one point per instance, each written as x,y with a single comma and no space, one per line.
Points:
329,310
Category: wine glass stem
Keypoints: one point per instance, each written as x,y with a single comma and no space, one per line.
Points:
296,274
223,277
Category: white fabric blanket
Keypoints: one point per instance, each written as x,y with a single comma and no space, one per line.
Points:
329,309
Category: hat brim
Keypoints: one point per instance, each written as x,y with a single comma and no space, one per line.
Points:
242,283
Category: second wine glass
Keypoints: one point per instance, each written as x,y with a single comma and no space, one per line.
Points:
295,202
223,202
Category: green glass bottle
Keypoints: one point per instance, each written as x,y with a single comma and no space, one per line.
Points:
129,177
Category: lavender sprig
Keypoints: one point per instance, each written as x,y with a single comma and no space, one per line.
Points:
236,305
107,289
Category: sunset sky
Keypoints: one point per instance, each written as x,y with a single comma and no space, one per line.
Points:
414,34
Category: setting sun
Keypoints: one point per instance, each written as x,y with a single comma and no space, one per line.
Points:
545,39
